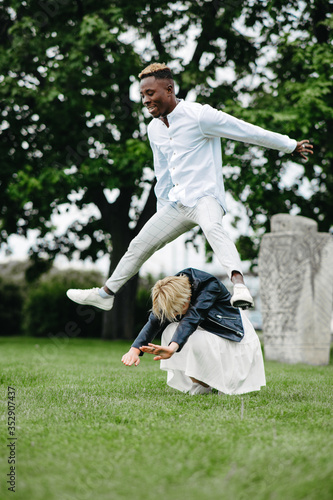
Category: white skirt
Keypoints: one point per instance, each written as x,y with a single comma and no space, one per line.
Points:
228,366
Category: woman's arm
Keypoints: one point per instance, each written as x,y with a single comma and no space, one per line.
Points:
152,328
147,334
160,351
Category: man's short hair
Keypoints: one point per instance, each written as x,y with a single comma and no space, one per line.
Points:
158,70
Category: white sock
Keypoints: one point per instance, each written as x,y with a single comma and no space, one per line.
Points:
103,293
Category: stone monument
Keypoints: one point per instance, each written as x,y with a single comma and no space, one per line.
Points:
296,290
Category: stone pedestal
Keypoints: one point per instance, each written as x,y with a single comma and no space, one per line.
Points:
296,289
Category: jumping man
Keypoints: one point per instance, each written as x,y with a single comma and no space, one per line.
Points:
185,140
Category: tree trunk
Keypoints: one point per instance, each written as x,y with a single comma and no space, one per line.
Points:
119,322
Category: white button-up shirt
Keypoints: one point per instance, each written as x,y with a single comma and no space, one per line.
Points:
187,154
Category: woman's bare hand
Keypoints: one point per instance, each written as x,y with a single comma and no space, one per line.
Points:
160,352
131,357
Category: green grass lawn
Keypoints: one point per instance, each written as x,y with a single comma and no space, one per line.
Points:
88,427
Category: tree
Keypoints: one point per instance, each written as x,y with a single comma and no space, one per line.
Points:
72,133
68,130
292,94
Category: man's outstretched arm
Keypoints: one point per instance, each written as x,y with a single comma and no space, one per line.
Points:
215,123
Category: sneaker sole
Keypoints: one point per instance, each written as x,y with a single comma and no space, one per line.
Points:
242,304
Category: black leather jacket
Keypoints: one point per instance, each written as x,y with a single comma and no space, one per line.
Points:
209,307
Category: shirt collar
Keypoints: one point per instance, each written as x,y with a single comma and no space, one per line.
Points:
175,110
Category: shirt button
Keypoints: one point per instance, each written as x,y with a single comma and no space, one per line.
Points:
170,138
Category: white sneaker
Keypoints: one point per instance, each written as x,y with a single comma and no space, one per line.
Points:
241,297
90,297
199,389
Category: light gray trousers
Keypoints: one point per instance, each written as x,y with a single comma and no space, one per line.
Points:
169,223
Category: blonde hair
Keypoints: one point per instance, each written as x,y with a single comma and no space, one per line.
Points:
169,296
158,70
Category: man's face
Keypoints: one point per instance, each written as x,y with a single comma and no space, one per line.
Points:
157,95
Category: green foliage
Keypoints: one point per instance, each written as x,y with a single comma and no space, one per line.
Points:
36,268
37,304
294,95
66,107
88,427
48,311
11,303
247,248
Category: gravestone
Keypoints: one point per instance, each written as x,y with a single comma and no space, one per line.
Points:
296,290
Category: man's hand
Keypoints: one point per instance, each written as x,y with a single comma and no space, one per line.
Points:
303,147
160,351
131,357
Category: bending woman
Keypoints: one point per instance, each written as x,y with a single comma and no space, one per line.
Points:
206,343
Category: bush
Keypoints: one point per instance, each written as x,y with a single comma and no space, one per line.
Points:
11,303
49,312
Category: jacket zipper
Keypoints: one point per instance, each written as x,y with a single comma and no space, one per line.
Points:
226,327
